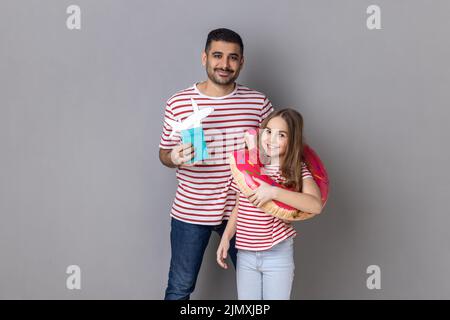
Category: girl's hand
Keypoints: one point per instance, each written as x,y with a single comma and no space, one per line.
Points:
264,193
222,252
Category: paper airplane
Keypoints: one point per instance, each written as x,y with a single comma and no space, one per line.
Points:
193,121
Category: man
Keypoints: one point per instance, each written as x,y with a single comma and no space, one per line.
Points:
203,201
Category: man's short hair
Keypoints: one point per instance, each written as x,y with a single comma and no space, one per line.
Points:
223,34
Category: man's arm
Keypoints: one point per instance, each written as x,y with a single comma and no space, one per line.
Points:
164,157
177,156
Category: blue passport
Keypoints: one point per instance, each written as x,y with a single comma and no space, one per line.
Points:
196,136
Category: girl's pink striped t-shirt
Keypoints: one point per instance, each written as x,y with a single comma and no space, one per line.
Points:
255,229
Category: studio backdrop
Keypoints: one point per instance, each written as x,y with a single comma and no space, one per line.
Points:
81,109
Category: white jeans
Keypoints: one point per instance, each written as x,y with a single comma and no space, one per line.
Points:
267,274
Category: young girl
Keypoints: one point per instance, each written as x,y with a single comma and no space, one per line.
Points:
265,259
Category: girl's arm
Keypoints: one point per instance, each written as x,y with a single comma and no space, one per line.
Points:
309,200
230,230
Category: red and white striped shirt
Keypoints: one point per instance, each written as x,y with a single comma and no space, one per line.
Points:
202,195
255,229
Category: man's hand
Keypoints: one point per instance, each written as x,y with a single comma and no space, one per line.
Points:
178,156
181,154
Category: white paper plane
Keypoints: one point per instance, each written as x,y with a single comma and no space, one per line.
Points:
193,121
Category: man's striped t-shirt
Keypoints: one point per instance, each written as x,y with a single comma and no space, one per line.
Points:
202,195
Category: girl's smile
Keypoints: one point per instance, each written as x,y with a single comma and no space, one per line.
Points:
274,138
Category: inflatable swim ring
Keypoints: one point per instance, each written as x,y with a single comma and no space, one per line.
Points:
245,164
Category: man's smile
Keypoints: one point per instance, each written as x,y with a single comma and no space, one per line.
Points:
223,73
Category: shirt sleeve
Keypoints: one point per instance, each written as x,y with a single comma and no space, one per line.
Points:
166,142
266,109
305,172
231,185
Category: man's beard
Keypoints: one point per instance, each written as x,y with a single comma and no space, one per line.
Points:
219,80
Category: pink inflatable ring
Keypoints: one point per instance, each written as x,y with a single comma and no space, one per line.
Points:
245,165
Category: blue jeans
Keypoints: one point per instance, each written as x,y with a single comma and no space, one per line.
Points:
268,274
188,243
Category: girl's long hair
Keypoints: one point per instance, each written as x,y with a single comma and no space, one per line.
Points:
291,166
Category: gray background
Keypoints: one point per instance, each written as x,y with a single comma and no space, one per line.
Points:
81,115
